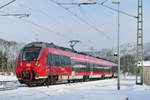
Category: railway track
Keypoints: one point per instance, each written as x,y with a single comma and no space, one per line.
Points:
8,81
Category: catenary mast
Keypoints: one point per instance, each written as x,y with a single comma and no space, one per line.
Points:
140,52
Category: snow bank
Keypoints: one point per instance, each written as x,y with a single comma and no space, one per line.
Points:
95,90
8,78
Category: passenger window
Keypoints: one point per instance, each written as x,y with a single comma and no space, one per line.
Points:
62,60
57,60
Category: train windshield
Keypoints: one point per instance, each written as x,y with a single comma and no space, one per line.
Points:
31,53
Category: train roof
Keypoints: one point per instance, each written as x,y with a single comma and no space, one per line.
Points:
52,45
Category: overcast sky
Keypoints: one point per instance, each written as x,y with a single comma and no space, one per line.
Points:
54,24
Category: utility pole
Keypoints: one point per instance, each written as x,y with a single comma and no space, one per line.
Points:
118,43
118,83
140,52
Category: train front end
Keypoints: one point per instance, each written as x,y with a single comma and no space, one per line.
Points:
30,65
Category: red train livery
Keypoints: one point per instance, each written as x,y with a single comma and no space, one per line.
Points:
41,63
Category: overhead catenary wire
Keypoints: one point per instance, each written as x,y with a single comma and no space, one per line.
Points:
13,14
90,18
37,25
83,20
7,4
20,15
41,26
44,28
103,1
114,9
91,2
43,12
33,23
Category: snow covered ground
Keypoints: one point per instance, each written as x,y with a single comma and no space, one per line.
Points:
8,78
95,90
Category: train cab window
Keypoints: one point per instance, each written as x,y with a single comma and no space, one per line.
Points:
31,53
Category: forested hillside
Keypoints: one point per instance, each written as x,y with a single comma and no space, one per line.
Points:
127,53
8,54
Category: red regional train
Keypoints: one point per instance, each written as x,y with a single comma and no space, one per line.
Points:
42,63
